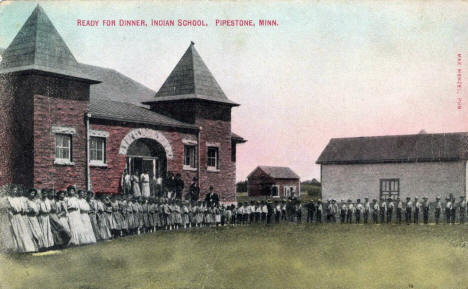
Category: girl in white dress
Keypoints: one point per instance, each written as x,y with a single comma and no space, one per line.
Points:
32,211
145,184
7,236
44,220
74,217
87,236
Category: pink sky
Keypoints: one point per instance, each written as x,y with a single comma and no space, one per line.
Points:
328,70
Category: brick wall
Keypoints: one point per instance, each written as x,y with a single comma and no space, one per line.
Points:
215,121
416,179
17,142
48,112
107,179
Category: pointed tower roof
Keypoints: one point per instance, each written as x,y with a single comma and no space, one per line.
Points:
39,46
191,79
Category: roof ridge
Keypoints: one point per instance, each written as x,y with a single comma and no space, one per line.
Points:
400,135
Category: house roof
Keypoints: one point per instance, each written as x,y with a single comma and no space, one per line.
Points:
277,172
39,46
120,111
396,148
115,86
191,79
237,138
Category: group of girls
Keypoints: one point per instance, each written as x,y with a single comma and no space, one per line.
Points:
42,220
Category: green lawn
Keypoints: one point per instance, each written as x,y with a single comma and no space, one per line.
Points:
285,256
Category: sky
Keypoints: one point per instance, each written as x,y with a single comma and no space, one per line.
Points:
329,69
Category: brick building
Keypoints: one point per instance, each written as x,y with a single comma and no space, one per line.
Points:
391,166
65,122
277,182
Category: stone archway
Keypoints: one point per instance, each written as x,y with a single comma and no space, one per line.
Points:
146,133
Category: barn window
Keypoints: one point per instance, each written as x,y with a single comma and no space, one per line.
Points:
389,188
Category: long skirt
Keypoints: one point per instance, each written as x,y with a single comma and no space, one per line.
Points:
110,221
161,222
141,222
199,218
185,219
131,221
87,236
95,225
48,238
146,220
136,189
124,225
7,235
218,218
118,220
60,235
64,221
23,233
178,218
36,231
76,227
104,231
145,189
152,219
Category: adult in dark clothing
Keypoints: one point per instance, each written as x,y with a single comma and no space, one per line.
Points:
178,186
194,191
169,185
310,212
212,198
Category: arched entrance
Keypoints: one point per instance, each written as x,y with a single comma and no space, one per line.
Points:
146,155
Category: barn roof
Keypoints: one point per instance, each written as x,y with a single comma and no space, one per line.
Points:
277,172
191,79
396,148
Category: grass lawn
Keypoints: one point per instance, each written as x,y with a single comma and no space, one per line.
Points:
284,256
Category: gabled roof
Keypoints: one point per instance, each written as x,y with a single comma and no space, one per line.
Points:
277,172
118,111
39,46
115,86
191,79
396,148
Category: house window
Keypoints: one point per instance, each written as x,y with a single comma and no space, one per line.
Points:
289,191
190,157
389,188
63,145
213,158
97,150
275,191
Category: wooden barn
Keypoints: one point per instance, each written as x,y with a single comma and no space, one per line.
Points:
277,182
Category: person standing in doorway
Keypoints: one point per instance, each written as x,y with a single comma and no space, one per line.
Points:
145,184
136,191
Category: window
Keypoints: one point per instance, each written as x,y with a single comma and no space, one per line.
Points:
213,158
289,191
389,188
63,148
190,157
275,191
97,150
